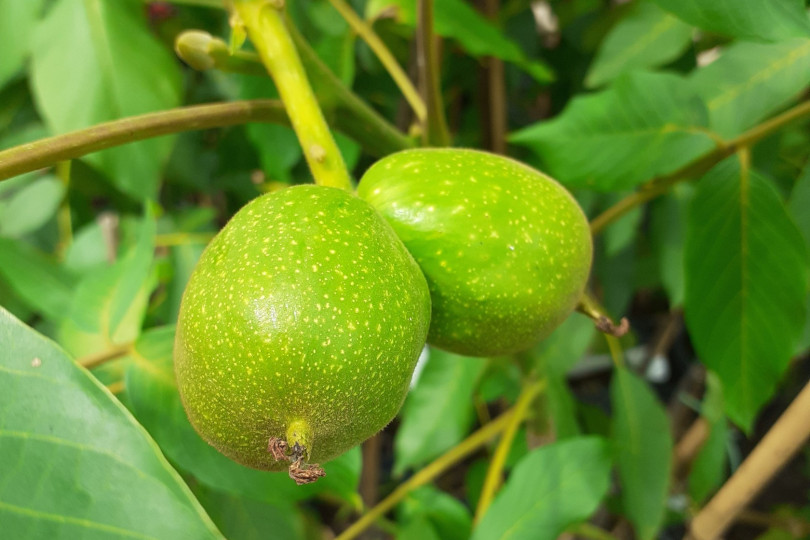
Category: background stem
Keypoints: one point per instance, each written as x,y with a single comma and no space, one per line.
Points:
268,32
387,59
494,475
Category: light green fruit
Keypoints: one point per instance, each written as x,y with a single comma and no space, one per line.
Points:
506,250
303,320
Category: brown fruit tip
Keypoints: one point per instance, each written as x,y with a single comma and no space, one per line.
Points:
300,471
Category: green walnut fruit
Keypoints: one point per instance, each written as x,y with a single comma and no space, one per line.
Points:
301,323
506,250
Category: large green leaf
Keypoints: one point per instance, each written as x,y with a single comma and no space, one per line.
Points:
75,462
459,20
156,403
242,518
746,281
645,124
438,412
551,489
16,25
36,279
646,37
643,449
750,81
94,60
769,20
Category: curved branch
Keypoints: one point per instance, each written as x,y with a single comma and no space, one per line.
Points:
45,152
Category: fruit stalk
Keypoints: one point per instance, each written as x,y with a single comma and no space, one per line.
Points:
264,21
697,168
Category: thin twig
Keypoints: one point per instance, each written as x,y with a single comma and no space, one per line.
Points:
781,442
96,359
429,473
366,32
494,473
659,186
350,114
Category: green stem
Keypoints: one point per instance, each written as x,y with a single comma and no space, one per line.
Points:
268,32
45,152
352,115
659,186
429,473
437,133
64,222
495,471
384,55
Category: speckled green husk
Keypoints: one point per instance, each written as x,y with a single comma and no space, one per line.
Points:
305,309
506,250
